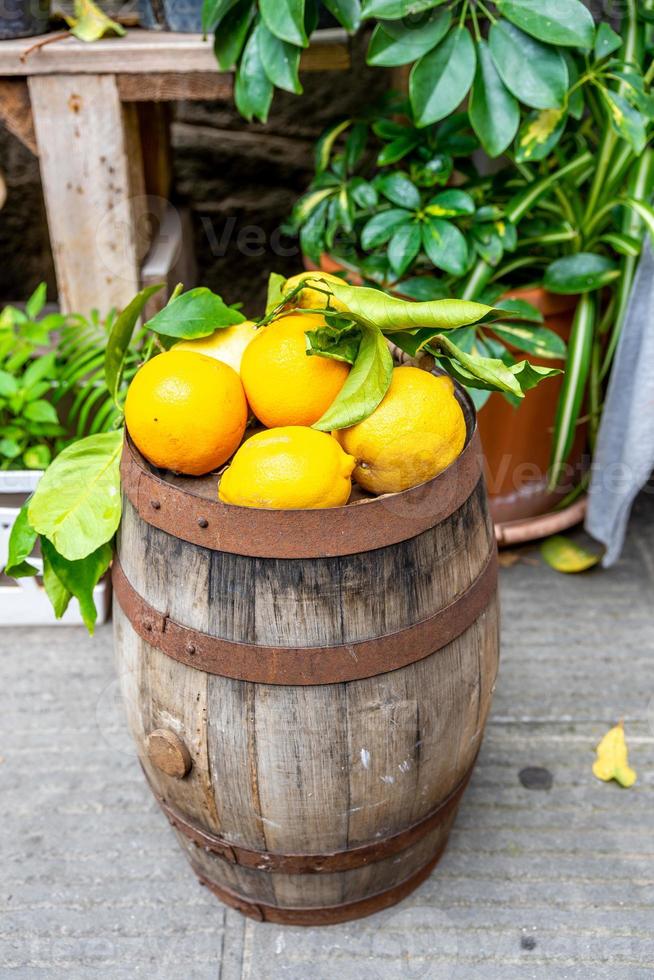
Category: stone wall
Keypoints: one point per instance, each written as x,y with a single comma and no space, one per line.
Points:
239,181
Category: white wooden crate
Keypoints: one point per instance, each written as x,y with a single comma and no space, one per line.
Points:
23,602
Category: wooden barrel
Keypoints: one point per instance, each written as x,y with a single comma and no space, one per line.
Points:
308,689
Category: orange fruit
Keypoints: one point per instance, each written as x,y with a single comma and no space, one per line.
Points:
284,385
290,468
186,412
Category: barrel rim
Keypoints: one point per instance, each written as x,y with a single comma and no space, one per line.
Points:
359,527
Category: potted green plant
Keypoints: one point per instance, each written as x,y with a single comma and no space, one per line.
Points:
564,215
51,394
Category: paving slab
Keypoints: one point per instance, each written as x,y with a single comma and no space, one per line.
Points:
535,883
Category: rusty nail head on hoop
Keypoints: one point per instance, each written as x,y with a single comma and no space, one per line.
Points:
203,522
155,505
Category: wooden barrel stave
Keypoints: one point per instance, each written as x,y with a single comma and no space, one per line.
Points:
307,602
310,891
431,740
312,767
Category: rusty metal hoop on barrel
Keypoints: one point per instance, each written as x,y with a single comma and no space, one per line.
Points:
308,690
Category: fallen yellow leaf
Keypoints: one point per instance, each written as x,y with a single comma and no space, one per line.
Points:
563,555
612,759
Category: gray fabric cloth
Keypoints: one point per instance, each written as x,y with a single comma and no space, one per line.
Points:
624,455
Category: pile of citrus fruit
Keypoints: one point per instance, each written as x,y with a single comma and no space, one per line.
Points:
187,410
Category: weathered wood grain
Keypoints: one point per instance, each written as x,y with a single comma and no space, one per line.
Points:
93,199
316,769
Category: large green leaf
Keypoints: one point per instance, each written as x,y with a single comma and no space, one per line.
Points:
120,339
573,390
445,246
399,190
441,79
539,134
77,503
229,40
21,544
399,42
253,90
581,273
565,22
398,9
403,247
79,578
536,74
346,12
494,111
381,227
366,384
285,18
213,12
281,61
196,313
375,308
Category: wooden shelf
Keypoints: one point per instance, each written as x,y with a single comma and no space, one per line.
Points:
150,52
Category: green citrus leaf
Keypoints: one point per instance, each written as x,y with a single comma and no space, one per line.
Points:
366,384
21,544
77,503
196,313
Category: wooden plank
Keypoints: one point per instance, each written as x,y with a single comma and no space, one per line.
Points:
168,87
88,181
144,52
16,112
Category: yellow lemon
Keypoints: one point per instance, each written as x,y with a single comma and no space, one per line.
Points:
186,412
226,345
311,297
289,468
285,386
416,431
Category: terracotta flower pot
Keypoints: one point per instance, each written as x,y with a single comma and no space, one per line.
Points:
517,442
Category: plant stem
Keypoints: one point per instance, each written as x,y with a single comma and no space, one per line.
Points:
475,23
464,14
594,393
482,6
638,189
478,280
